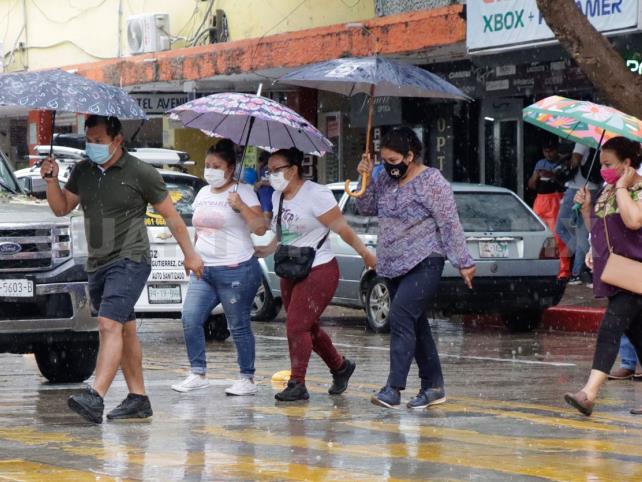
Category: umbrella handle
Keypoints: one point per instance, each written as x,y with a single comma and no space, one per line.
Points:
364,184
365,177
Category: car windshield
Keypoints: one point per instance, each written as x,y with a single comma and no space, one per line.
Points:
338,194
493,212
7,182
182,190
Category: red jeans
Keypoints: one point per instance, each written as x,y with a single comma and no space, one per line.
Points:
304,302
547,207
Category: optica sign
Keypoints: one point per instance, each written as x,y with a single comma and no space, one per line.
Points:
508,24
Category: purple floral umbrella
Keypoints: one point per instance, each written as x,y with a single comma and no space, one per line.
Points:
252,120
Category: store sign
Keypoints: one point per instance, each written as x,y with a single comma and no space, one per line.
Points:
387,111
159,103
507,24
634,65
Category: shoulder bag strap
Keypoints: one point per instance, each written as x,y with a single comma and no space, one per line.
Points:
279,229
606,226
323,240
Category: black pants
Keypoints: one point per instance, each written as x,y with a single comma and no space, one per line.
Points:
410,335
623,316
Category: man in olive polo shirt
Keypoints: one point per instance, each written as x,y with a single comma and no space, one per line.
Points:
114,188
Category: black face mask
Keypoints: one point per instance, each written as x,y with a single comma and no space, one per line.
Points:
396,171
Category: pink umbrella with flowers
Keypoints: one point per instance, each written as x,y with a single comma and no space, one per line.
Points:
582,121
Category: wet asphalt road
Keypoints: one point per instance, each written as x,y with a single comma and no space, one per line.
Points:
504,420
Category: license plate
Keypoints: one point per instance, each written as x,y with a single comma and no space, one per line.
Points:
493,250
164,294
16,288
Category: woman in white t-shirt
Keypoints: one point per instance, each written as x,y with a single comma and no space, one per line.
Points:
308,213
225,215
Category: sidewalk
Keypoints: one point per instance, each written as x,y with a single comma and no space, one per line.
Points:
578,311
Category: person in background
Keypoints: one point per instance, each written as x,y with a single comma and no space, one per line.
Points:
309,213
569,228
249,175
549,198
263,188
618,208
418,228
114,189
225,215
629,366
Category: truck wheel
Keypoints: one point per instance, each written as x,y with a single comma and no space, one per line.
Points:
216,328
523,321
377,305
265,306
67,362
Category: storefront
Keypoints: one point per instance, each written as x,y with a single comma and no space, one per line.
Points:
510,68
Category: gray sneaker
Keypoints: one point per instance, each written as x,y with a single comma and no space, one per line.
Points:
428,397
134,406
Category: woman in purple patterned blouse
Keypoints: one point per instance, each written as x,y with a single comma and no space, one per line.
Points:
418,228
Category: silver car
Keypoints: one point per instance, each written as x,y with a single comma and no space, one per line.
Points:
516,255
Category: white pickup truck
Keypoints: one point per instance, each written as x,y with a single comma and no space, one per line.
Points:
44,300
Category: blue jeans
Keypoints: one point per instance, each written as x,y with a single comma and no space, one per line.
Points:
571,229
234,287
628,356
410,335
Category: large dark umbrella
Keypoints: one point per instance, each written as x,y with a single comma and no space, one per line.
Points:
376,77
58,90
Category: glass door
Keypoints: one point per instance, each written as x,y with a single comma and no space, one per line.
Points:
502,153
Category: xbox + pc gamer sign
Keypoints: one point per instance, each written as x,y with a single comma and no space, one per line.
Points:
508,24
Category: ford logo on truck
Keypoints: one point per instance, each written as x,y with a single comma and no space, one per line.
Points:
9,248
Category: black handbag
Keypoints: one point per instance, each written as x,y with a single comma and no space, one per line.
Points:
293,262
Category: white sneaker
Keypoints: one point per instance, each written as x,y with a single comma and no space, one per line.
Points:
242,387
192,382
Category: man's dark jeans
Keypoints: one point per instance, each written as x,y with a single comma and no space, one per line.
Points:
410,334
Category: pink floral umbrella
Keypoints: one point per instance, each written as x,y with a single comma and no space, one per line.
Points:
249,119
582,121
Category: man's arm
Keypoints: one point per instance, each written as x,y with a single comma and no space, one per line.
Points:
61,201
193,262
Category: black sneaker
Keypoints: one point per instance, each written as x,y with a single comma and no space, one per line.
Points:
341,376
575,281
88,404
134,406
428,397
293,392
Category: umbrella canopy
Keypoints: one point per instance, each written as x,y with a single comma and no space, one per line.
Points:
253,120
58,90
374,76
582,121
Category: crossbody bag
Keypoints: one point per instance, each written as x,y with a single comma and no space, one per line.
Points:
620,271
293,262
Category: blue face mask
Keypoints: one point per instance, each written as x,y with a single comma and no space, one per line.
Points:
98,153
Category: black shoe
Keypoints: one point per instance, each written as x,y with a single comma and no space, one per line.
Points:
134,406
428,397
293,392
341,376
88,404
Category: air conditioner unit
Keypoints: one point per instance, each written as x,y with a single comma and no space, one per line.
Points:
148,33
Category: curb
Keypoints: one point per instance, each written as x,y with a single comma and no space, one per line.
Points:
573,318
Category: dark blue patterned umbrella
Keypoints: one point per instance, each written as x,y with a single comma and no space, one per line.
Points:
376,77
58,90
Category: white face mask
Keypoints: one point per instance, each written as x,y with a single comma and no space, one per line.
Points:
278,181
215,177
